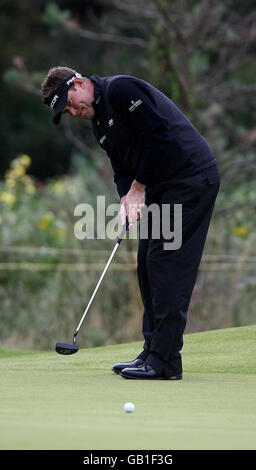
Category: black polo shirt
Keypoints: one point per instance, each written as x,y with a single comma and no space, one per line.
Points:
145,135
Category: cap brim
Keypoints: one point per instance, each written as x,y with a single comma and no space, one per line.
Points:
62,101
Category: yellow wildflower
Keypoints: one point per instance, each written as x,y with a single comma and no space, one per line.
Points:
45,221
241,230
10,183
19,171
29,184
59,232
25,160
15,162
59,187
30,188
8,198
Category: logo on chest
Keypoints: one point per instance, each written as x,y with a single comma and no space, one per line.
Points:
134,105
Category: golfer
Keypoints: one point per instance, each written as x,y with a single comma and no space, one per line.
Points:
158,157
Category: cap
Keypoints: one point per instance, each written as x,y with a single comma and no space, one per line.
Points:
58,99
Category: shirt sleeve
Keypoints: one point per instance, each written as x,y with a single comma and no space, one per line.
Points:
138,110
123,182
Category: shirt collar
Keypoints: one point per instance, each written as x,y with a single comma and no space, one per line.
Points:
97,92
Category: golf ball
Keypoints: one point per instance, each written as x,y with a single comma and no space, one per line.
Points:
129,407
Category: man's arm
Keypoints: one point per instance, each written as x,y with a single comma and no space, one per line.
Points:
122,180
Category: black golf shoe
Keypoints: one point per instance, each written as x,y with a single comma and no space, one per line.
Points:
117,368
145,372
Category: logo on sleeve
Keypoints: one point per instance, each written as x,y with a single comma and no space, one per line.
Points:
102,139
134,105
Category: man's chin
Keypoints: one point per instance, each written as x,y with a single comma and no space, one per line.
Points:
84,116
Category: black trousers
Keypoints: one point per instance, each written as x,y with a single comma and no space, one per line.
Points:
167,277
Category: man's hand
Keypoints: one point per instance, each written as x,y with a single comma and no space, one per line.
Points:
132,203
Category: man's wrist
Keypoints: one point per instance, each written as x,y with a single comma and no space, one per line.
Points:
138,186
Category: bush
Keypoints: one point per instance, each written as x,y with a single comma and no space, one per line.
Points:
47,276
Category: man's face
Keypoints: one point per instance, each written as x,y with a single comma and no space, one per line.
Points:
79,102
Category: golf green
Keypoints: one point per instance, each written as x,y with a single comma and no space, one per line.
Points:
50,401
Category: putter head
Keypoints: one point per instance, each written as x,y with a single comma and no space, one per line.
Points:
66,349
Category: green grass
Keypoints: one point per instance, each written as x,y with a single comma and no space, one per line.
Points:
50,401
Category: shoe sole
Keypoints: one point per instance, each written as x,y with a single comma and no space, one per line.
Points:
175,377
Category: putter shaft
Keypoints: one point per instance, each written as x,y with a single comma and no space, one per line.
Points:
119,239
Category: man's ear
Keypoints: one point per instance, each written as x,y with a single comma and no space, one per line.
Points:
78,82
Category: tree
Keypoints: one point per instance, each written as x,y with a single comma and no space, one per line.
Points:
199,52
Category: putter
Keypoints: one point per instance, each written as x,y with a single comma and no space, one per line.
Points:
66,349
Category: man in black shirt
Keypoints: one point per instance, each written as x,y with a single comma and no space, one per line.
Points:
158,157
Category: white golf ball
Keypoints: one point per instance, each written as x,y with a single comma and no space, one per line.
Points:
129,407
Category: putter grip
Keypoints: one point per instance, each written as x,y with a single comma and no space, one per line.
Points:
123,231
